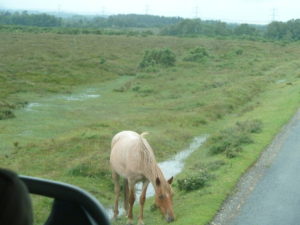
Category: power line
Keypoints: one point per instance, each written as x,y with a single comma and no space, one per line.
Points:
196,12
147,9
274,14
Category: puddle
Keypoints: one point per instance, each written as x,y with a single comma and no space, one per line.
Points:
280,81
80,97
170,168
88,94
32,106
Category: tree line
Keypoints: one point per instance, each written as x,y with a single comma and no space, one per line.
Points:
289,30
26,19
117,21
176,26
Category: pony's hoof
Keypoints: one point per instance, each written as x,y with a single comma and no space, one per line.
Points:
129,222
115,218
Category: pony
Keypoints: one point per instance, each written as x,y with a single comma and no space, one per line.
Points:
133,159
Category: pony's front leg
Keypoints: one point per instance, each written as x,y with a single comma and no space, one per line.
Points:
142,202
131,200
116,177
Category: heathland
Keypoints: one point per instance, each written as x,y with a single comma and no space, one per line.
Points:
63,97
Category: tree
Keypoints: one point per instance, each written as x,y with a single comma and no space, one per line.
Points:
245,29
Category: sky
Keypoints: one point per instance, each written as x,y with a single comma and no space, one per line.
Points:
239,11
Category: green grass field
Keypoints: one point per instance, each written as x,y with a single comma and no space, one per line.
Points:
67,95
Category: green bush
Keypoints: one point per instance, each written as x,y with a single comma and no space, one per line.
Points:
197,55
6,110
6,114
193,182
164,57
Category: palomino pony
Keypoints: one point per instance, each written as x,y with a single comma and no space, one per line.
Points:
132,158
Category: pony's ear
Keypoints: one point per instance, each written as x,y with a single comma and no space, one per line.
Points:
170,180
157,181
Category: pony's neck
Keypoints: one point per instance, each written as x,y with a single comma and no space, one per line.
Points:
150,167
155,173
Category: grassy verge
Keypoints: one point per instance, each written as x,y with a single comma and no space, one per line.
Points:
233,82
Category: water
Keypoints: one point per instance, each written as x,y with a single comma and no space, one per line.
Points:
86,95
90,93
170,168
32,106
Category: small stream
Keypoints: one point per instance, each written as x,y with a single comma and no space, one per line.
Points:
170,168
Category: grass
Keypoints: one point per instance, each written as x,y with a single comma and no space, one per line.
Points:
69,140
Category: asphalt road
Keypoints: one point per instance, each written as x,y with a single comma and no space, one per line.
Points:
270,193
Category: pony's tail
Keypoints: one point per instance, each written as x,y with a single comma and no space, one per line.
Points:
144,134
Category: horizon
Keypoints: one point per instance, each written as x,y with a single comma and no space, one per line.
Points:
92,14
232,11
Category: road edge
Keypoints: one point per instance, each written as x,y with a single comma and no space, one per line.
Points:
250,178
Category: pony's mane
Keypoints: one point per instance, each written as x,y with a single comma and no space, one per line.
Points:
147,152
148,158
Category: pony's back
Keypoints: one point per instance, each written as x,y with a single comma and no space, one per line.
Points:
129,150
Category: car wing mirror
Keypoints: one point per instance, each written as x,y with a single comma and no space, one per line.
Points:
72,205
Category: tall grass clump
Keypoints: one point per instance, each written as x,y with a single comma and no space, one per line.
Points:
230,141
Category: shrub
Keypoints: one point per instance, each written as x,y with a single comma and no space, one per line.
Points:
197,55
102,60
193,182
154,57
239,51
6,110
6,114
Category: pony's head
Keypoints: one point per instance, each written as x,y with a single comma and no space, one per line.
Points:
163,198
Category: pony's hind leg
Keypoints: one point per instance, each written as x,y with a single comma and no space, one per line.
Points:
116,179
126,196
131,199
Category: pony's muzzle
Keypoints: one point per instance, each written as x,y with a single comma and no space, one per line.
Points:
169,219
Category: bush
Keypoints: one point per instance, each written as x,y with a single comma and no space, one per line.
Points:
197,55
193,182
6,110
6,114
239,51
164,57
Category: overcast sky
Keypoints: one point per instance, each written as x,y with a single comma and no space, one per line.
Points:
242,11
